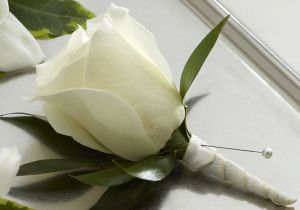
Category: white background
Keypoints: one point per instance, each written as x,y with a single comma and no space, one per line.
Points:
275,22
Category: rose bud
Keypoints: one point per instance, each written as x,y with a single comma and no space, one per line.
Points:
111,89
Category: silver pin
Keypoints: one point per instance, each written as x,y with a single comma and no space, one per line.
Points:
266,153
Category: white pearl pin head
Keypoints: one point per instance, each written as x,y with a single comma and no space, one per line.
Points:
267,153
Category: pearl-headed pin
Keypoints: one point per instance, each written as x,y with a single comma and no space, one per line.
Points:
266,153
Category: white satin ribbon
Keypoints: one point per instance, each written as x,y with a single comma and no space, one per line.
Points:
209,161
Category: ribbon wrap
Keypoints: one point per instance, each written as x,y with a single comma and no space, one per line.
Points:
210,162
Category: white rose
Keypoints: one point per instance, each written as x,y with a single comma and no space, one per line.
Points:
18,48
9,166
111,89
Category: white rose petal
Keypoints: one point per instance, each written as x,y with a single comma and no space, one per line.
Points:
3,9
65,124
9,166
18,47
113,63
138,37
107,117
112,85
50,69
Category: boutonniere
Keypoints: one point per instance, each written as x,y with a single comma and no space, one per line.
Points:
116,117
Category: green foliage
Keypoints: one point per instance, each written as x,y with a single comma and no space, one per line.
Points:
153,168
55,165
50,18
77,156
106,177
125,196
129,179
179,140
2,74
9,205
196,60
56,188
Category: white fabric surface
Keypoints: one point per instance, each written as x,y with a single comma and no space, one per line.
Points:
275,22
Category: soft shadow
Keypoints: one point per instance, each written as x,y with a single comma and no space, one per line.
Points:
16,74
55,189
191,102
201,184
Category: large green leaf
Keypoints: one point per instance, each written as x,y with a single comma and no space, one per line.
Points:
153,169
125,196
55,165
10,205
196,60
106,177
41,130
50,18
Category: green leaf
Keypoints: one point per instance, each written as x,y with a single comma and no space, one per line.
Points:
41,130
2,74
9,205
178,141
196,60
50,18
54,165
106,177
57,188
153,169
12,114
125,196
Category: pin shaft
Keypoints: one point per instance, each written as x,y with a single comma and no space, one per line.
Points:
229,148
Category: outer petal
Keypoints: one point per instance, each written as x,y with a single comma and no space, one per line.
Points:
115,66
18,47
108,118
65,124
137,37
9,166
3,10
76,48
70,76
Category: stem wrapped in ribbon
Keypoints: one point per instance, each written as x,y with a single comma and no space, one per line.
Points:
209,161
